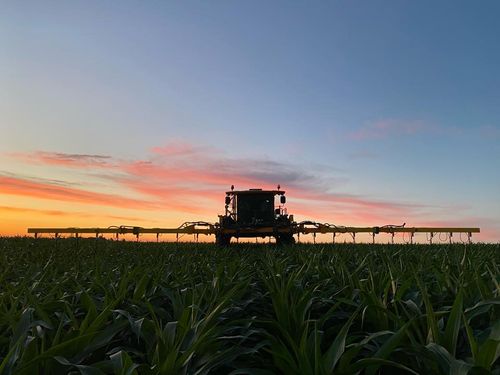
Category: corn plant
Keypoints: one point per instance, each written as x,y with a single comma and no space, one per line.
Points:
94,306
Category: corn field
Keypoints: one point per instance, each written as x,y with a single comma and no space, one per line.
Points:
94,306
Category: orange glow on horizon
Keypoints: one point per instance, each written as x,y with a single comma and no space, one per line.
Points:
177,184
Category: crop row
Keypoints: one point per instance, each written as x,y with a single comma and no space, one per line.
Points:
113,307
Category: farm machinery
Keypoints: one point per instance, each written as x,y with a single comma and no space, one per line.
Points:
254,213
257,213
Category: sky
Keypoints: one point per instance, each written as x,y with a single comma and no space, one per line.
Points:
144,113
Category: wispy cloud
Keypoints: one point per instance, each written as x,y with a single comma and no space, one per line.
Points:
35,188
361,155
389,128
49,181
182,148
490,132
192,182
186,178
65,214
65,160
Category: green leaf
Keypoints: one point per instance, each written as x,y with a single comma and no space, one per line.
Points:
353,349
447,363
337,347
24,325
489,351
370,362
388,347
430,314
480,308
140,288
123,364
84,370
470,337
10,359
251,371
18,337
453,324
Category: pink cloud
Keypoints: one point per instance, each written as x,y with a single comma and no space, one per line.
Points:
174,148
185,179
181,148
46,190
157,180
181,171
65,214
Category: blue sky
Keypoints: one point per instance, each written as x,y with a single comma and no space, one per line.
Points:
392,102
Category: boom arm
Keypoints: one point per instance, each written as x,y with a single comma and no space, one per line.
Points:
305,227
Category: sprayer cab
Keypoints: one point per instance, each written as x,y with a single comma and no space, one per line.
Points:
255,213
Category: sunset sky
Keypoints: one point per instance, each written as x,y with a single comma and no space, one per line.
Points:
145,112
